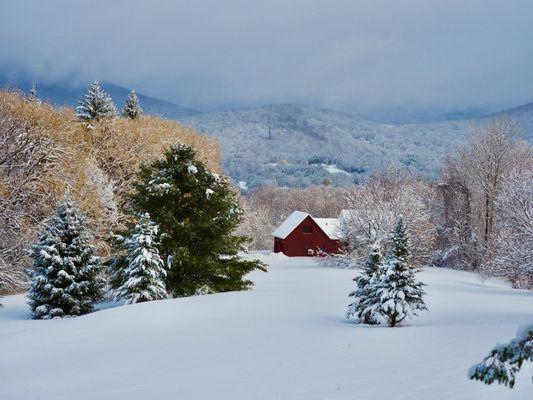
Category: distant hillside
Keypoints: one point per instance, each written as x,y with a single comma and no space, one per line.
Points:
308,145
63,93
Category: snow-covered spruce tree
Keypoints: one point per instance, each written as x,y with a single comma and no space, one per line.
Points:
365,294
32,95
132,109
398,293
95,104
505,360
197,213
65,279
139,275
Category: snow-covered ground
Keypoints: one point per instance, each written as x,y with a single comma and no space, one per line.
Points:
285,339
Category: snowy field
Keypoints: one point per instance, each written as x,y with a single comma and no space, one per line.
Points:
285,339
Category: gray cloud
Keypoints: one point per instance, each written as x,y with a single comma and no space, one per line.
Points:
351,55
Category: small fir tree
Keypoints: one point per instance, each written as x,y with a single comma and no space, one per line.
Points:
197,213
65,279
95,104
365,295
132,109
139,275
398,293
32,95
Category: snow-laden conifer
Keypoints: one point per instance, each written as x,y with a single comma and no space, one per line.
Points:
95,104
32,95
398,294
132,108
140,274
65,279
197,212
364,294
505,360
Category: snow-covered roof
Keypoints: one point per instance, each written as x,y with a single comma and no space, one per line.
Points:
330,226
290,224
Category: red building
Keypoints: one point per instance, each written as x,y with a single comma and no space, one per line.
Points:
302,235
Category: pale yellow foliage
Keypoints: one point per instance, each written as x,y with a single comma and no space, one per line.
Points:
96,164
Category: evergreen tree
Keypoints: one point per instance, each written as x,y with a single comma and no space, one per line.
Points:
365,295
505,360
398,292
140,274
65,279
95,104
32,95
132,109
197,213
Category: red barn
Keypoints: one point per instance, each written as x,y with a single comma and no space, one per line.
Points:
302,235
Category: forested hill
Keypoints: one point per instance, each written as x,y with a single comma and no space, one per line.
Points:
296,145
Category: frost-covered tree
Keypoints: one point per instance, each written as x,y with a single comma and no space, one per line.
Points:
139,275
95,104
65,279
132,108
505,360
398,294
32,95
365,294
374,206
513,243
197,213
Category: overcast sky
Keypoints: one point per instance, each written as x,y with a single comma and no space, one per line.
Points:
351,55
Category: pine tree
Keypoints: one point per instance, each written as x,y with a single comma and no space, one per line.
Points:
365,295
197,213
505,360
140,274
399,294
65,279
32,95
132,109
95,104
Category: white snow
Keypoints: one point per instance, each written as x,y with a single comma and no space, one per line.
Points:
243,186
330,226
192,169
290,224
333,169
285,339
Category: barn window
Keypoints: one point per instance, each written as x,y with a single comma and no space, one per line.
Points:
308,229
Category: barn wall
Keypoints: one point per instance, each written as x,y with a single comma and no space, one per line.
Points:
297,243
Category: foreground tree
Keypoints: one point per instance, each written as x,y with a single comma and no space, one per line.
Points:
95,104
365,295
132,108
398,294
197,213
139,275
505,360
65,279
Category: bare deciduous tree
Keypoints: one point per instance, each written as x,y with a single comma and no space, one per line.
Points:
375,205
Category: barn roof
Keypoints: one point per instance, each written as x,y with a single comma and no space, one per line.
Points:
290,224
330,226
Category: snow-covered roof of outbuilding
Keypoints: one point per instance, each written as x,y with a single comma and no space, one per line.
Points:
290,224
330,226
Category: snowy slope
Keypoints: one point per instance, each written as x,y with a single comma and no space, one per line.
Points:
286,339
